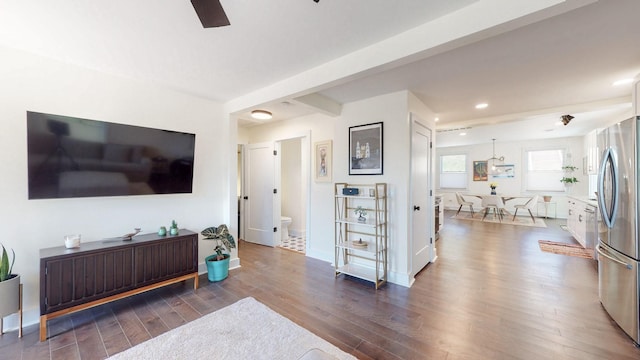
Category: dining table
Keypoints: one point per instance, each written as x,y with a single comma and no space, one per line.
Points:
505,197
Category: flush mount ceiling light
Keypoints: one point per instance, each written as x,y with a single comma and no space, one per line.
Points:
482,106
622,82
566,119
261,115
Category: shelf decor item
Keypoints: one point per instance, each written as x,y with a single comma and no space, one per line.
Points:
362,213
173,230
218,263
72,241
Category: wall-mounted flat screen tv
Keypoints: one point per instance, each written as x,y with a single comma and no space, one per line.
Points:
71,157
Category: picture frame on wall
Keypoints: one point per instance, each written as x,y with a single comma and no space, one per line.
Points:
504,171
323,161
365,149
480,171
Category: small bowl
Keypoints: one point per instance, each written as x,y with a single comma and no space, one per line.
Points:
72,241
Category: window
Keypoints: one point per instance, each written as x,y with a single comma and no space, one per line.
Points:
453,171
544,170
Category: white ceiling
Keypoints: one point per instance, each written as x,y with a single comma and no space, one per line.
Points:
530,68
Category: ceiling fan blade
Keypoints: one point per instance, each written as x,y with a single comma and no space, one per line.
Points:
211,13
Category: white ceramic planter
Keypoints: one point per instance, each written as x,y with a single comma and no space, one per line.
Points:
10,296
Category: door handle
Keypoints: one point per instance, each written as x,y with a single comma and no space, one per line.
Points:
628,266
416,208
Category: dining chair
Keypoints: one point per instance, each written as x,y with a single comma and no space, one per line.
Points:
463,202
528,205
495,203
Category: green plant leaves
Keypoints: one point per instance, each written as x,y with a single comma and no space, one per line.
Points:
5,269
222,235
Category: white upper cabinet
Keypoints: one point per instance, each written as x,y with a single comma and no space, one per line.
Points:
591,152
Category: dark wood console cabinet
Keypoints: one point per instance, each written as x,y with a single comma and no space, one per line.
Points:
102,271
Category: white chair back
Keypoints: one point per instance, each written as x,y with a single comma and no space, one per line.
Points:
493,200
532,202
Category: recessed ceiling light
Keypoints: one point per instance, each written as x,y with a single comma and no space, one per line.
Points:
622,82
261,115
482,106
463,134
437,119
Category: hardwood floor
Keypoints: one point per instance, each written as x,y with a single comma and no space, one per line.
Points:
492,294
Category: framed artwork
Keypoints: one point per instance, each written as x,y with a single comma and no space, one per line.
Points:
365,149
323,161
480,172
504,171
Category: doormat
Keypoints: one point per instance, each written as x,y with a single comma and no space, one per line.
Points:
565,249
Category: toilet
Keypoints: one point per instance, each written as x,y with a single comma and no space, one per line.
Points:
285,222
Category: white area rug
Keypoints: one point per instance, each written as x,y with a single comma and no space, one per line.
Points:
246,329
520,220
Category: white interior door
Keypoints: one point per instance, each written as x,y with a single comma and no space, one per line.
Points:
260,165
422,209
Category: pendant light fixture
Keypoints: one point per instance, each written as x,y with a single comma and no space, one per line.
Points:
495,158
261,115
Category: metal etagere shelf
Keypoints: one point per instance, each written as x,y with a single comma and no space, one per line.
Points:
361,244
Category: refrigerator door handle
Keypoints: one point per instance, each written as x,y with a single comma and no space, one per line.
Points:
608,213
601,252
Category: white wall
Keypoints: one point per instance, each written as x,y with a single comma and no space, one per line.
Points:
393,111
514,154
36,84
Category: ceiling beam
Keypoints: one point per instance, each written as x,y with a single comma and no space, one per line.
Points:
321,103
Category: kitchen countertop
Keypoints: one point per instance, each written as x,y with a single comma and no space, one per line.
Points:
585,199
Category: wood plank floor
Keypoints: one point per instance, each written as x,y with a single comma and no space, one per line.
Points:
492,294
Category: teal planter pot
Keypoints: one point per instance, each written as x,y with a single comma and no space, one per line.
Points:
217,270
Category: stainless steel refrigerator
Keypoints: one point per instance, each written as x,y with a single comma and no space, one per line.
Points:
619,246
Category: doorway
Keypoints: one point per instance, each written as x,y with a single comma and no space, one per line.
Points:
275,184
422,215
293,205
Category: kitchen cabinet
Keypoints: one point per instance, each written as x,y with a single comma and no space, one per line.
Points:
582,221
573,220
361,241
591,152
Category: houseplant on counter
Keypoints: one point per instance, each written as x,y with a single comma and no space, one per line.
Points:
9,286
218,263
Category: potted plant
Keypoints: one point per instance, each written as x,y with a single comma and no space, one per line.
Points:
361,212
173,230
568,179
218,263
9,285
